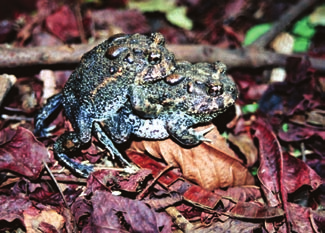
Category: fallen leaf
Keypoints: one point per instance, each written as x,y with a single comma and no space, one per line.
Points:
210,165
63,24
120,214
12,208
230,225
20,152
255,211
301,218
161,201
47,219
297,173
117,180
122,19
81,210
240,193
318,217
271,169
246,145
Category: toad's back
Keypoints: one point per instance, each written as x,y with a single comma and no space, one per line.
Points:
100,84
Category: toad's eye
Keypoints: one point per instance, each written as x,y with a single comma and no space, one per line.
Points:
215,90
154,58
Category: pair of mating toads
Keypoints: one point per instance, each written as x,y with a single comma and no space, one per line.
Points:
131,84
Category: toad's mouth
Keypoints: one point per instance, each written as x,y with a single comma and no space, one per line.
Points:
214,104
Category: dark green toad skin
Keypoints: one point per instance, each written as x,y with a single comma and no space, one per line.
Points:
130,84
100,86
193,94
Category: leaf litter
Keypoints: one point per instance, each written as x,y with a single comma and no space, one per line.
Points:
246,183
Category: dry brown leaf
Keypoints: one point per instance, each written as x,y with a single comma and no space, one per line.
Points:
246,145
33,218
210,165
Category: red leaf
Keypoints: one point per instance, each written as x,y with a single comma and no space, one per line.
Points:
115,180
120,214
297,173
270,172
301,217
63,24
255,211
81,210
20,152
164,200
12,208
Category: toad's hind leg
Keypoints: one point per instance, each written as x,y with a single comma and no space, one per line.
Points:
65,144
52,104
101,135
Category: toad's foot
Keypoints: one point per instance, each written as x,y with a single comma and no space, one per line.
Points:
181,128
199,135
78,168
68,142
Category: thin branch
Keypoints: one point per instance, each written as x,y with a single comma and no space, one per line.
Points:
286,18
179,219
144,192
56,183
11,57
77,8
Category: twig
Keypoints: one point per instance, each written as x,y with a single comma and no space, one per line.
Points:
146,189
179,219
77,13
56,183
283,22
70,55
65,179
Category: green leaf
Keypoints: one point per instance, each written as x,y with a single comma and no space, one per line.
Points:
225,135
255,32
317,18
250,108
296,153
303,28
285,127
174,14
254,171
177,16
153,5
301,44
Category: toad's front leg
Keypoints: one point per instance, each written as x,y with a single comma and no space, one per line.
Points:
182,130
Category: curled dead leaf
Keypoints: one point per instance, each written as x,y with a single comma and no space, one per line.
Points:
211,164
